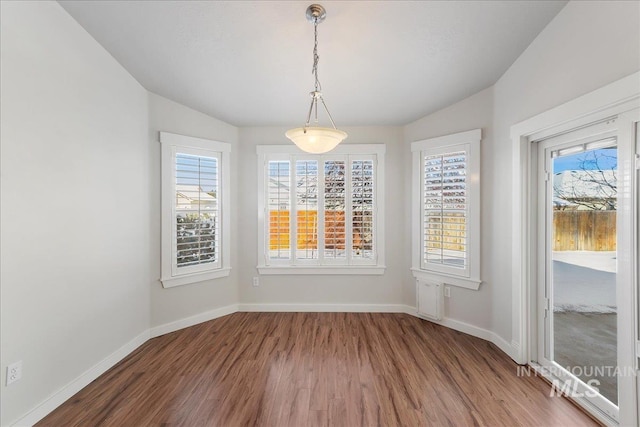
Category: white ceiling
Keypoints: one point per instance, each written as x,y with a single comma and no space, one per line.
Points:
249,62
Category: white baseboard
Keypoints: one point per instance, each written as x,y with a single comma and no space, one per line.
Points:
193,320
513,353
335,308
475,331
83,380
62,395
386,308
520,358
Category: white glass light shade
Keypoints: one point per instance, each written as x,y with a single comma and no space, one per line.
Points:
316,140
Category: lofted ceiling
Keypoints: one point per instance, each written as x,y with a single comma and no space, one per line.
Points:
249,62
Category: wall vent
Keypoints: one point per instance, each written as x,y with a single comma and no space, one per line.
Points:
430,298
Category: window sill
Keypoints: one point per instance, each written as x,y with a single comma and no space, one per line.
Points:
431,276
195,278
322,270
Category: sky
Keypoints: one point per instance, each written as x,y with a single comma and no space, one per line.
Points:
606,159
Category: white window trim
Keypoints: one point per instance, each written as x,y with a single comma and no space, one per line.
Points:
171,143
377,268
470,277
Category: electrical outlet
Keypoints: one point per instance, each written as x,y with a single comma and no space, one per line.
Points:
14,372
256,281
447,291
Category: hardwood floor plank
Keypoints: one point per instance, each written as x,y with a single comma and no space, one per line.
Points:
316,369
318,419
338,413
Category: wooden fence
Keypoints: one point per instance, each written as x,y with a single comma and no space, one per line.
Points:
584,230
448,232
307,230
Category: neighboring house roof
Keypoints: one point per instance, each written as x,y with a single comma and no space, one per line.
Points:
584,184
194,194
561,202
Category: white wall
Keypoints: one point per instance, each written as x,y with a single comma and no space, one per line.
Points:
74,203
586,46
475,112
172,304
389,288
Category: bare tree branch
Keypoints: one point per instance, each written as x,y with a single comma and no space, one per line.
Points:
592,185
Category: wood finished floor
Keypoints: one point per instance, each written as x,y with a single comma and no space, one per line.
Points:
316,369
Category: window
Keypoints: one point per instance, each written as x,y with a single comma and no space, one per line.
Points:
321,214
195,209
446,209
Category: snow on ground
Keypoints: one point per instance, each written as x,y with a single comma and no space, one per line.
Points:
584,281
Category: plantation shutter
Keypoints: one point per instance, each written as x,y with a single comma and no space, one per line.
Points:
334,210
445,209
362,209
279,207
197,210
321,213
306,209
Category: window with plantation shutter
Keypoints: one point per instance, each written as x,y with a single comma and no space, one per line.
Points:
306,207
197,210
335,197
446,199
362,203
279,206
321,214
195,220
445,209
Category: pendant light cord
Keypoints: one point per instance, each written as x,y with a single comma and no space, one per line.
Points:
317,93
316,58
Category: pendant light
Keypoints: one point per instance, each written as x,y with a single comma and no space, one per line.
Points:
315,139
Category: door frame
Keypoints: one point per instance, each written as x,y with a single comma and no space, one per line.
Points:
619,99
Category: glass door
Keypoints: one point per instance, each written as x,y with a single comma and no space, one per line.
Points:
577,295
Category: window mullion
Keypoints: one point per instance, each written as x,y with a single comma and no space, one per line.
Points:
174,209
442,216
266,213
293,215
423,228
199,220
320,217
348,211
375,210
